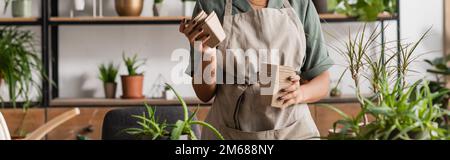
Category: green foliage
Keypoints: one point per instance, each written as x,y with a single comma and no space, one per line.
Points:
7,3
439,65
108,72
20,67
365,10
441,71
158,1
401,111
151,128
335,91
185,126
149,125
133,64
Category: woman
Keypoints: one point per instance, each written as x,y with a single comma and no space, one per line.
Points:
291,27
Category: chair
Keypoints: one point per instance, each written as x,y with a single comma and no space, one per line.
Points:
117,120
39,133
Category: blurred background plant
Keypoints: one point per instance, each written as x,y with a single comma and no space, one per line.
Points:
20,68
108,72
400,110
364,10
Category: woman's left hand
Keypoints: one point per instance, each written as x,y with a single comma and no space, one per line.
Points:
292,95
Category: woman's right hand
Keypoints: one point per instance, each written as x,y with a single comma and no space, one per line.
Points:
194,33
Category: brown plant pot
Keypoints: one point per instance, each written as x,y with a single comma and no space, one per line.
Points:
321,6
129,7
110,90
132,87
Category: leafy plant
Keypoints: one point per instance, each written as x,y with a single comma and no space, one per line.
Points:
7,3
150,127
441,71
158,1
184,127
401,111
440,67
335,91
133,64
20,67
365,10
108,72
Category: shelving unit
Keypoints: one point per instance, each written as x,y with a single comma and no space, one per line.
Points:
115,20
101,102
50,23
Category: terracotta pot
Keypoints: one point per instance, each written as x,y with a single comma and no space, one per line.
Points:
129,7
321,6
132,87
110,90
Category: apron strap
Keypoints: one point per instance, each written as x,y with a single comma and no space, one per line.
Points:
229,8
287,4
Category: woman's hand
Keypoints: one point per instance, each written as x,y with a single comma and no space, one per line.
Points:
292,94
313,91
194,32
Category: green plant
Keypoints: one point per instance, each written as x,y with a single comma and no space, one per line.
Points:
335,91
108,72
401,111
441,71
7,3
365,10
20,67
158,1
184,127
133,64
150,127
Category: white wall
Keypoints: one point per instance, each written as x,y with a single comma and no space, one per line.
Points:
82,48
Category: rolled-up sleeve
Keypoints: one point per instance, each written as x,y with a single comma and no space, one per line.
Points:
317,59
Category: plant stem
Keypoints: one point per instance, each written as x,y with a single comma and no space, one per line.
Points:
210,127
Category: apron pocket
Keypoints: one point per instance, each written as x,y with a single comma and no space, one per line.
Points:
299,130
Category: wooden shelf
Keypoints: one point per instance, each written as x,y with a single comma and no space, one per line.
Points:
116,20
96,102
20,21
174,19
330,17
99,102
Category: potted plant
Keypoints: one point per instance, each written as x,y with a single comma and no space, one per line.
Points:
20,68
108,75
129,7
365,10
151,129
132,84
157,6
188,7
20,8
401,111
